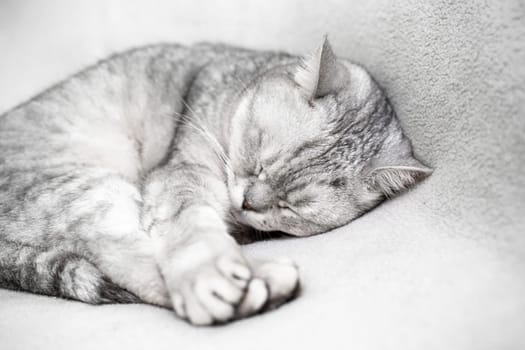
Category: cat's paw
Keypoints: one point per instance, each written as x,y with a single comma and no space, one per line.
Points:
212,292
227,288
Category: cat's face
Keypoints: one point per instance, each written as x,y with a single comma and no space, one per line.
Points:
313,150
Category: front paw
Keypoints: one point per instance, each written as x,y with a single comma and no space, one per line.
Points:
211,292
226,288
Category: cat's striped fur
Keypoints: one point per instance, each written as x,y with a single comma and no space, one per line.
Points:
125,182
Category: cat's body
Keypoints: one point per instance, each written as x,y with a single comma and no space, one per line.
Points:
126,180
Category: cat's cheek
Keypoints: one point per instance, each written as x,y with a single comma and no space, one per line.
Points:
260,221
294,226
253,219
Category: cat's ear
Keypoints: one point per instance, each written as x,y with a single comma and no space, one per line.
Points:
320,73
393,174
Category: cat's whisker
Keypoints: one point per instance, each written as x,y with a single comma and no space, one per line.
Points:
208,136
212,141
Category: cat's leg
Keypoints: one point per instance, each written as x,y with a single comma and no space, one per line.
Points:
203,267
114,236
76,233
208,278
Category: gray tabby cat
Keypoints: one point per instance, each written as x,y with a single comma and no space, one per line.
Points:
128,181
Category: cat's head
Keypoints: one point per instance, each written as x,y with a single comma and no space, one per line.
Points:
314,146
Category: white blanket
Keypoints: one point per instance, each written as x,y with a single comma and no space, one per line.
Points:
440,267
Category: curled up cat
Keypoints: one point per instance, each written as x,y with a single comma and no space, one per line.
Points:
136,179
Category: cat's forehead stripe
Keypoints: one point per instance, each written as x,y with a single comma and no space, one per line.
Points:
304,147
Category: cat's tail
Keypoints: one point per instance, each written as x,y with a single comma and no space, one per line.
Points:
57,273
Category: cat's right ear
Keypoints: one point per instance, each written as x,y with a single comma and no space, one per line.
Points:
320,73
396,170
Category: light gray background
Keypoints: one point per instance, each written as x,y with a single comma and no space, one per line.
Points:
441,267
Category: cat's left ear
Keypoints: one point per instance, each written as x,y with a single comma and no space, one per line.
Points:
396,173
320,73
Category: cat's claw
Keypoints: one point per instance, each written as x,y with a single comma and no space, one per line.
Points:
235,271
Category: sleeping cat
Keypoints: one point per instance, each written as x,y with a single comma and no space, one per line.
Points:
128,181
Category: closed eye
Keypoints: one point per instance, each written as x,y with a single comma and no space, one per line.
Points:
301,202
286,207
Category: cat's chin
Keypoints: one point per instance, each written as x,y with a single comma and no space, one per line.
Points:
245,233
259,222
254,220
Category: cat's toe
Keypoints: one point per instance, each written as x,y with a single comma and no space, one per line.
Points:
255,299
179,306
282,278
234,270
218,296
197,314
199,303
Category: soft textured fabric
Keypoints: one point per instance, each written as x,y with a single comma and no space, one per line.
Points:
440,267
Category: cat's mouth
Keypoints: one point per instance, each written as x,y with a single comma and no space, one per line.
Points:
253,219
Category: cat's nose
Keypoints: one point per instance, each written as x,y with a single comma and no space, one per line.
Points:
246,205
258,197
